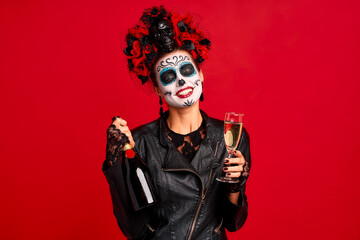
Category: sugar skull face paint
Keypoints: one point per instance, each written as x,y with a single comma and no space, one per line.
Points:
178,79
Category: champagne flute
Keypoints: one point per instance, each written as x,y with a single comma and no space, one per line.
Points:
232,132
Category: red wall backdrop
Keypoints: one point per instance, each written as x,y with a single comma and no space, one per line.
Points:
291,66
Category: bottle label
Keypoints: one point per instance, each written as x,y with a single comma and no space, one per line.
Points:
145,186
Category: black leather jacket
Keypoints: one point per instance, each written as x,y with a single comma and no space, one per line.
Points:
192,204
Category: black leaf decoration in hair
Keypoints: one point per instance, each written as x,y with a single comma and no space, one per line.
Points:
143,79
188,44
205,41
130,64
182,27
200,59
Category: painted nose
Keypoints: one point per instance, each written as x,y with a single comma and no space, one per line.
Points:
181,82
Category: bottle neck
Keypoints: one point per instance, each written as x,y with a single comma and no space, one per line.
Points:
129,152
127,146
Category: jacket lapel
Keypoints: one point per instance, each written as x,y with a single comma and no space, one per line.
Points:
205,158
175,161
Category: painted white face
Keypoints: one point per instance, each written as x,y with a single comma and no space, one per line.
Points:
178,79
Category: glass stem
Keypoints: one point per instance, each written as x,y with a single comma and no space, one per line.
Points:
229,156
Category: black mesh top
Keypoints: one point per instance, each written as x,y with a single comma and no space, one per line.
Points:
189,143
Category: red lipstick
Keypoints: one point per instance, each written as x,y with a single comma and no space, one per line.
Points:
185,92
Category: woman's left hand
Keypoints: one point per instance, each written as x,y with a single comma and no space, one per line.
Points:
236,166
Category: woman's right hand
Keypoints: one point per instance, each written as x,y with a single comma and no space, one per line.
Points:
118,134
121,124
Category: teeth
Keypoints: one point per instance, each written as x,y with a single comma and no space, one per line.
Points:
185,92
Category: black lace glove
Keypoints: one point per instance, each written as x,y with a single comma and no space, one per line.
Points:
115,143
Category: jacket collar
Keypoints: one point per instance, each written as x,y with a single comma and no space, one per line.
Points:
204,158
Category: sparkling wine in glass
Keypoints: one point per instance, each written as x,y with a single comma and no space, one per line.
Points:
232,132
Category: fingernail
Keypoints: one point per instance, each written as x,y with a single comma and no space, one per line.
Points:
115,118
225,168
226,161
228,174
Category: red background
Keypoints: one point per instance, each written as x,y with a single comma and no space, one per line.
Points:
291,66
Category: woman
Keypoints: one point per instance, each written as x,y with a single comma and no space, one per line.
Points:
184,149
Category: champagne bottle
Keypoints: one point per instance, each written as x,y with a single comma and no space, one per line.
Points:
138,179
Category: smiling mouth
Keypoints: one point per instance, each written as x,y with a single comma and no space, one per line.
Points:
185,92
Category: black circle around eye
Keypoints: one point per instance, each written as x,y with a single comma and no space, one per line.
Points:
187,69
168,76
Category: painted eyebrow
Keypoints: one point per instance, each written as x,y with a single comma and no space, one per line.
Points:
165,69
184,63
174,62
